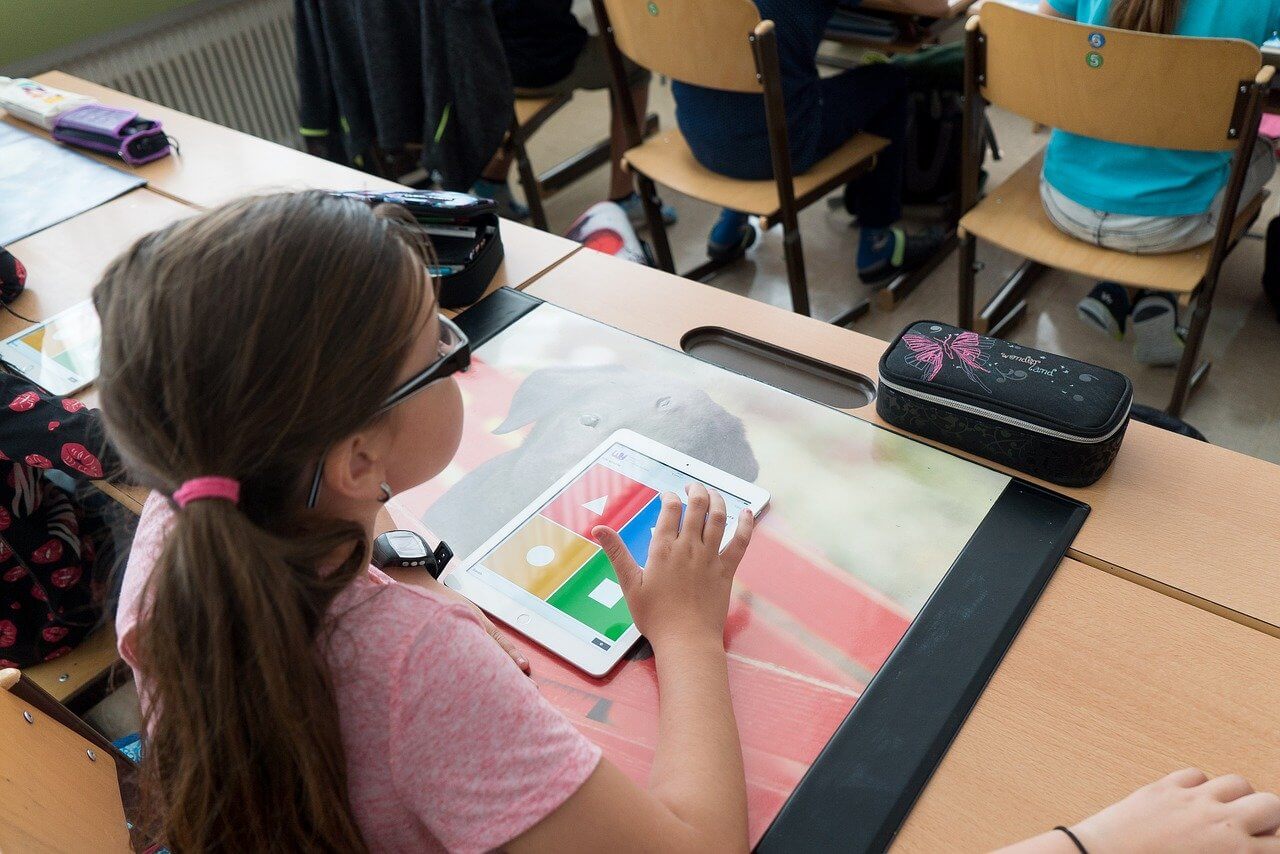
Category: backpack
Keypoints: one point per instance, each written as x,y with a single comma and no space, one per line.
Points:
1271,268
932,159
932,156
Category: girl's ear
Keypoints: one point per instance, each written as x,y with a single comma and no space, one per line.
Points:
355,467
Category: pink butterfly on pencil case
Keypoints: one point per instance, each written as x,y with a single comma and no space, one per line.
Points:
965,349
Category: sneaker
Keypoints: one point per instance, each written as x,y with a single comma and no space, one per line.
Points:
909,252
1157,340
1106,309
635,211
731,236
500,193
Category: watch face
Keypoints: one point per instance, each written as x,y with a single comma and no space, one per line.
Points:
407,546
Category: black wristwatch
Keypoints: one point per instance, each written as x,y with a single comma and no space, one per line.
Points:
407,550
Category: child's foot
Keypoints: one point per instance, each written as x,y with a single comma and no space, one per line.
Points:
635,211
1156,337
884,253
500,192
1106,309
731,236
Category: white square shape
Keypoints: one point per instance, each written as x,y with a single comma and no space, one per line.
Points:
607,593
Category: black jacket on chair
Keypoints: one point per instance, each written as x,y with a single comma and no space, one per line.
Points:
397,73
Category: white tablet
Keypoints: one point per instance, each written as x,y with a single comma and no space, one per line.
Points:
61,354
544,575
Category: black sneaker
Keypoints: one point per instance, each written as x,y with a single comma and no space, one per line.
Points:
1106,309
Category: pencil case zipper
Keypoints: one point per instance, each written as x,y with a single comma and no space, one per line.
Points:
1004,419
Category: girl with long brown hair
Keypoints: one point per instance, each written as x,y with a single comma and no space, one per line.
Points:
294,698
1147,200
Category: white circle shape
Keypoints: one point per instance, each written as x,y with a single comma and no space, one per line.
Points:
540,556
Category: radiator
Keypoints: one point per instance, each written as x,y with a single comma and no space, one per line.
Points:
233,65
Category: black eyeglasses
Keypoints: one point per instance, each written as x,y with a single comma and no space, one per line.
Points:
453,356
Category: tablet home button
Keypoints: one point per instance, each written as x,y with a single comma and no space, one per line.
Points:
523,619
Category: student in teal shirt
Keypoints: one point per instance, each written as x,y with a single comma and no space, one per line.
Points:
1148,200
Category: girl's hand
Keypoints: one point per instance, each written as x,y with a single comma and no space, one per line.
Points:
1186,811
682,594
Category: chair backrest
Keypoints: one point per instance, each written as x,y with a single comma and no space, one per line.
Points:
703,42
59,791
1117,85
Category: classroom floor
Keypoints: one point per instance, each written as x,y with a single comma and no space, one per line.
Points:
1237,406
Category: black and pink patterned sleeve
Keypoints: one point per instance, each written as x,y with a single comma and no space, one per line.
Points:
45,431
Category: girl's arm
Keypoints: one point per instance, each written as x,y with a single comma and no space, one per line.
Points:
696,795
1046,9
50,432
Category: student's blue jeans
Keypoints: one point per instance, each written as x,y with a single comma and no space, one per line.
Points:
868,99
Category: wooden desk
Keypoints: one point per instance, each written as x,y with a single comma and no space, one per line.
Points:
955,9
1111,683
66,260
906,43
1190,519
527,254
216,163
1109,686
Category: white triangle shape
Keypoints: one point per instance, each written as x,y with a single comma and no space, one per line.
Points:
597,506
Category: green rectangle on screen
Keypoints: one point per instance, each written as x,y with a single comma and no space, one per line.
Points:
587,594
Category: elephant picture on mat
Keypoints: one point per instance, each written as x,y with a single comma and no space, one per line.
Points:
572,410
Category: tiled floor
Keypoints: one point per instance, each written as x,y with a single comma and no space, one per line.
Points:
1238,405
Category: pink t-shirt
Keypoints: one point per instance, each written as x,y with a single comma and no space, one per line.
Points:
449,746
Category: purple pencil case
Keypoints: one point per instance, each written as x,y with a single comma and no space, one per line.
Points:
111,130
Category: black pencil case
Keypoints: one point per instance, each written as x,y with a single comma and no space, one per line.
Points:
1040,413
464,231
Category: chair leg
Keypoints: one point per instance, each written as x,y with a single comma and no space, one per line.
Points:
1189,370
794,253
657,228
1004,309
529,181
968,279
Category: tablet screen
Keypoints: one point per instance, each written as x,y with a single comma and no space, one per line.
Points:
552,566
61,354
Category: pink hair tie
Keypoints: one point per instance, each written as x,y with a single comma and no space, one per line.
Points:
208,488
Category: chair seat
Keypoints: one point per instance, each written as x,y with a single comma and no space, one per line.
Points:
532,112
1013,218
666,158
84,665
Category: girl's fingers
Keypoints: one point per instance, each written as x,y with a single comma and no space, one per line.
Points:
696,515
1259,813
737,546
507,646
1229,787
668,527
624,564
713,533
1188,778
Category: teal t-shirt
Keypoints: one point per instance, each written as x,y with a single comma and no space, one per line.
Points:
1128,179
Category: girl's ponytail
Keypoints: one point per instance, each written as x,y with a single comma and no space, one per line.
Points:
274,327
240,709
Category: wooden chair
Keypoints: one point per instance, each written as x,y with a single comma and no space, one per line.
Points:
720,44
75,675
529,114
59,780
1138,89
